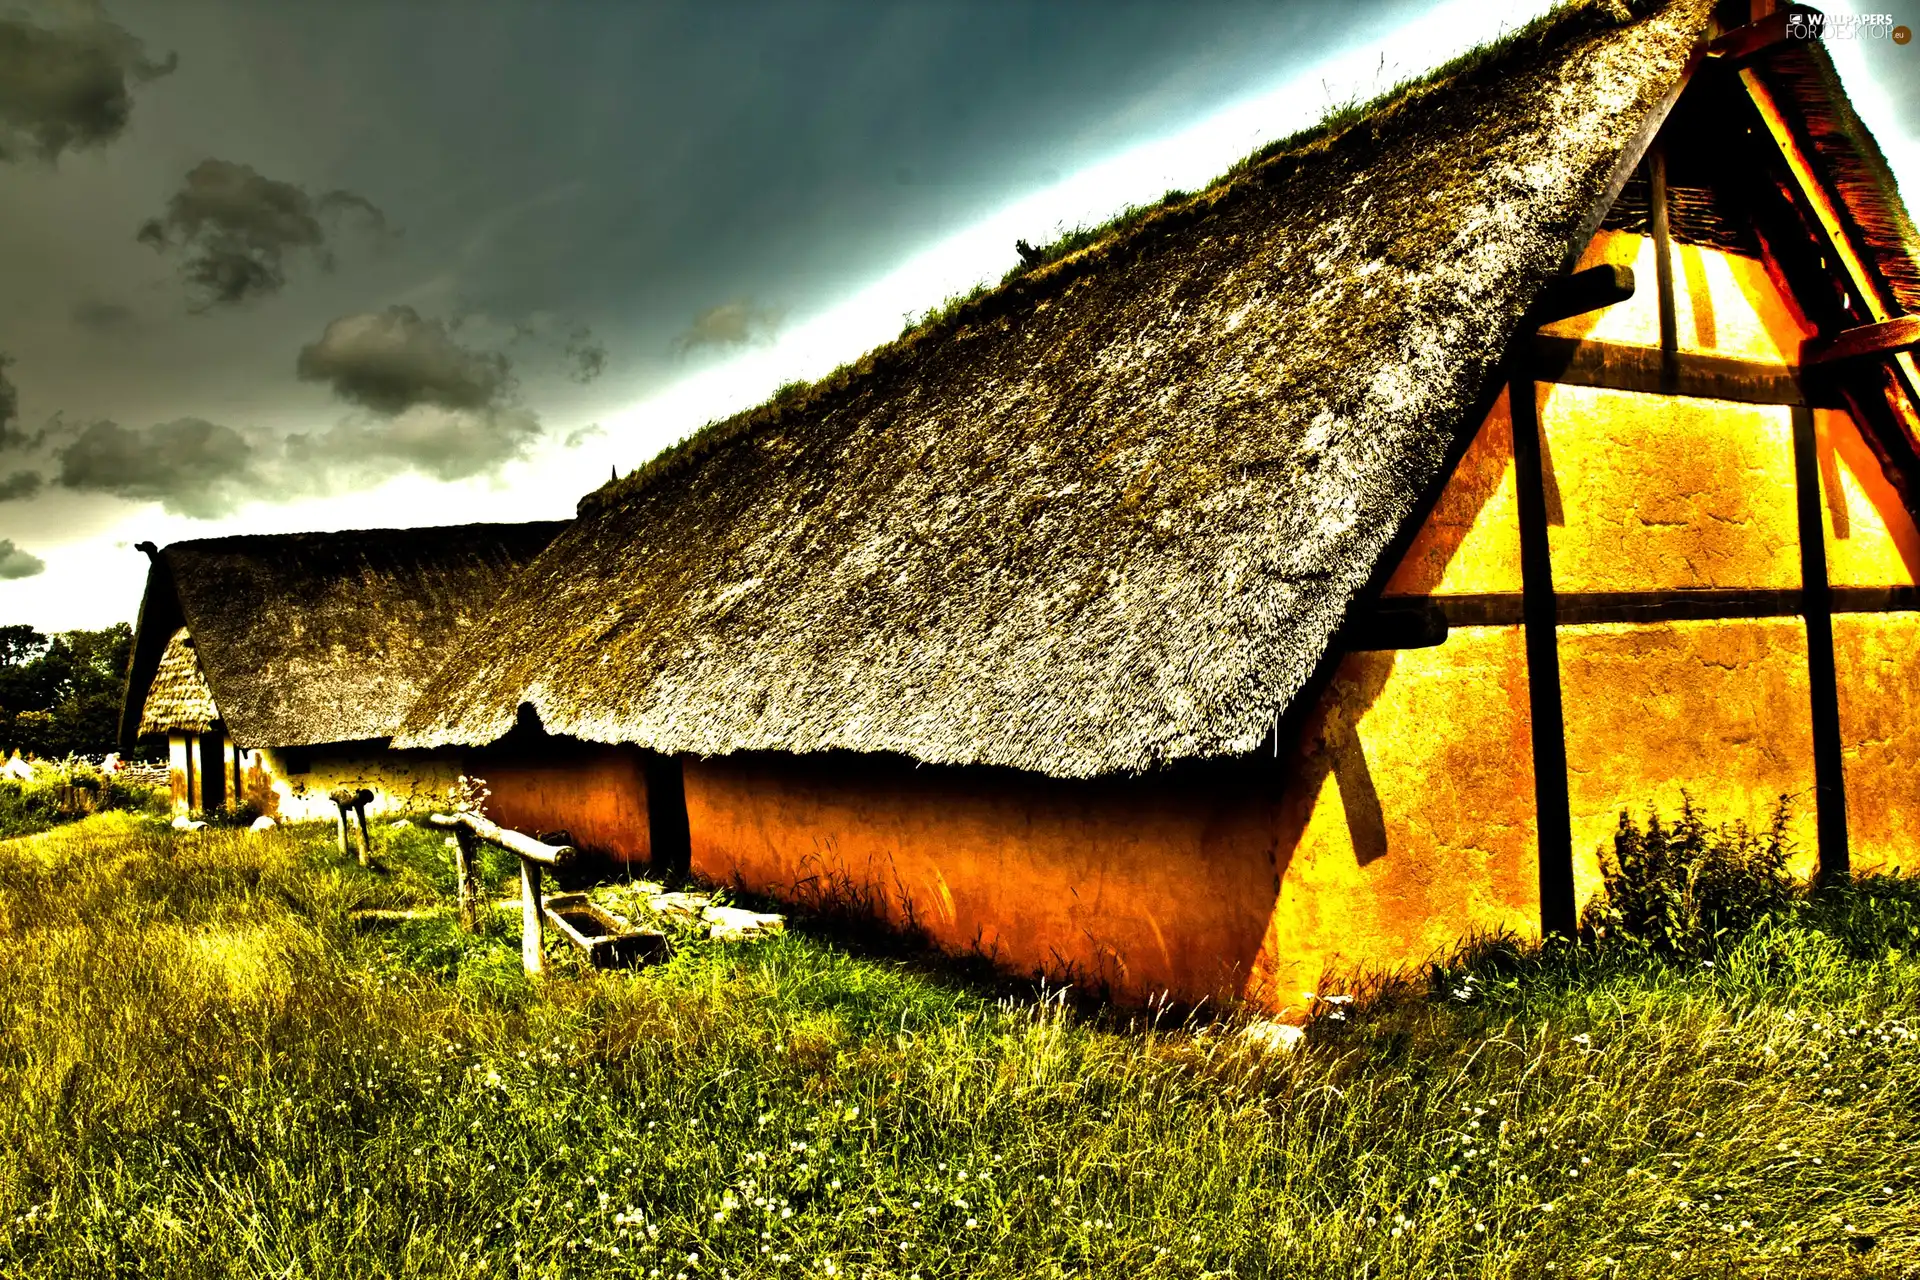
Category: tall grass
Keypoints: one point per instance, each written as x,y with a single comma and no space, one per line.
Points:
206,1070
46,799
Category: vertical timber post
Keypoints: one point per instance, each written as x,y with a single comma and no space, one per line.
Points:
1663,266
464,862
344,850
1552,809
366,833
1829,764
530,878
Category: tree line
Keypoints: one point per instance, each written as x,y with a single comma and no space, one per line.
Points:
60,694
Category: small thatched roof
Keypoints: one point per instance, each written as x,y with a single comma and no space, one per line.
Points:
178,700
1116,513
317,637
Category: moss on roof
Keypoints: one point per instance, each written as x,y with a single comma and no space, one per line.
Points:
1113,513
1054,266
322,637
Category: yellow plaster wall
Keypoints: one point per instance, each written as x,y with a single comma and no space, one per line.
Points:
180,771
1470,543
1870,536
1409,822
1720,708
401,781
1653,493
1877,658
1724,304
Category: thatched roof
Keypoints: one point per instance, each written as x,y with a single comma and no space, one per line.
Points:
1115,514
178,700
319,637
1849,164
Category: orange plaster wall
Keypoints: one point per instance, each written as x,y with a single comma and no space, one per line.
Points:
1403,823
1138,885
1719,708
1877,658
597,793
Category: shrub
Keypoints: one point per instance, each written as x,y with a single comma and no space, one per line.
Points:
62,790
1683,888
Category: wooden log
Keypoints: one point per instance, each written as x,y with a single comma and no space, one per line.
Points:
1863,342
534,857
517,842
1581,292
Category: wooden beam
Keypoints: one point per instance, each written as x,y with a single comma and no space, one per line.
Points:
1826,218
1397,624
465,859
532,913
1829,764
1662,261
516,842
1617,366
353,801
1705,604
1760,36
534,856
1553,814
1581,292
1863,342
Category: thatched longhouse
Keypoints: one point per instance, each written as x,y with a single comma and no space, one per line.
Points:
278,666
1305,574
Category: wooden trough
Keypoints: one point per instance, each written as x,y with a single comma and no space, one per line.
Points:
608,941
605,938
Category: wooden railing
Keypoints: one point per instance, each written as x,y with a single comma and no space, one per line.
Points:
469,829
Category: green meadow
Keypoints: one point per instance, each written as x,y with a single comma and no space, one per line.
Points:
209,1068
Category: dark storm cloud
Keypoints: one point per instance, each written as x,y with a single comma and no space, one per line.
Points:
190,466
236,228
393,360
731,324
21,484
16,563
65,87
104,318
587,354
10,436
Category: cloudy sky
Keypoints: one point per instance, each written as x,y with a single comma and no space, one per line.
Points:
271,267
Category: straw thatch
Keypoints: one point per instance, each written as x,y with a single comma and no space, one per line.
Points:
306,638
1848,162
1116,514
178,701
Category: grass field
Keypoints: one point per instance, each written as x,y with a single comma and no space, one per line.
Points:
206,1070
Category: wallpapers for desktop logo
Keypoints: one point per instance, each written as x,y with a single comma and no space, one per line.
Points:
1804,25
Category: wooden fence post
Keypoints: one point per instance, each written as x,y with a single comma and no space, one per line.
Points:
465,854
353,803
530,914
534,857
